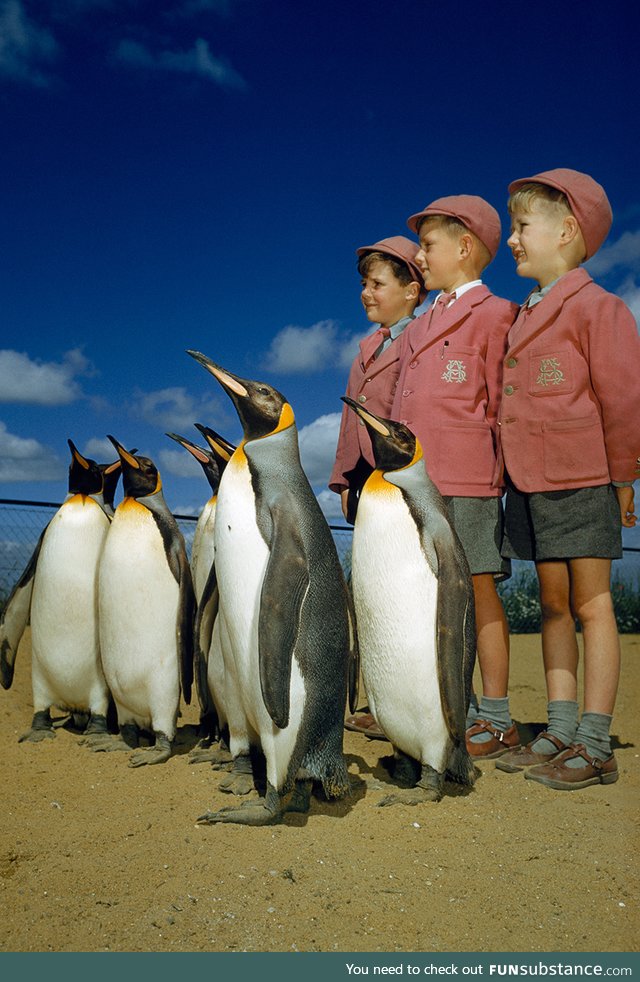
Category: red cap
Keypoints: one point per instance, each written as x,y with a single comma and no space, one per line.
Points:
402,248
475,213
587,198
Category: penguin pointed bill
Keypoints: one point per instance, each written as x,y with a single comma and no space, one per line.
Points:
394,445
219,446
140,476
261,408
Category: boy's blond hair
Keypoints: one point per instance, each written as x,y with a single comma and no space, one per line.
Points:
524,197
455,229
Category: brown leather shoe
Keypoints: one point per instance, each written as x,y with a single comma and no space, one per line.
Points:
557,775
517,760
364,723
500,743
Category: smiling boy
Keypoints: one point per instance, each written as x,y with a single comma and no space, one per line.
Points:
448,393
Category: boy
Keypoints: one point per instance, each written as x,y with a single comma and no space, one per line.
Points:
448,393
569,445
391,290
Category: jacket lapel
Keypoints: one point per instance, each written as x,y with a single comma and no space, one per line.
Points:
533,320
440,325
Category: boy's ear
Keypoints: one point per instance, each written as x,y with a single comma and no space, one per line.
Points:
570,229
413,290
466,246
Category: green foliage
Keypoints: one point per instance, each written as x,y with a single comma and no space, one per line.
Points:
521,600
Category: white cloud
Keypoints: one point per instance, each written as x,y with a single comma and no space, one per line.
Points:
27,460
331,507
180,463
100,449
24,47
318,443
302,350
41,383
629,291
196,61
176,410
625,253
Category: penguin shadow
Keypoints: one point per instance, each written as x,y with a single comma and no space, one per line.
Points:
529,731
387,775
187,738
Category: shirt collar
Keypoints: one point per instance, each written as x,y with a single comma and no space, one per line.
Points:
461,290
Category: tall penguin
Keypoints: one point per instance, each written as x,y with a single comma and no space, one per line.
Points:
283,610
65,657
414,611
146,613
208,665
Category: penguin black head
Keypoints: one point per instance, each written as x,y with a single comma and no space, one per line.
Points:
394,445
140,476
261,408
205,458
85,477
111,475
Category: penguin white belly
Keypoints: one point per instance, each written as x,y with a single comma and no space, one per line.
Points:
202,550
66,668
138,621
241,560
396,598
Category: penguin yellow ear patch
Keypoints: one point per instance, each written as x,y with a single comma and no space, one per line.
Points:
286,418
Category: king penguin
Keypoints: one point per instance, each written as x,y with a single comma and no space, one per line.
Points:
286,632
17,610
66,671
208,665
146,613
413,597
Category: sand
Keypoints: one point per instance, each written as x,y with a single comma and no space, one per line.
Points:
96,856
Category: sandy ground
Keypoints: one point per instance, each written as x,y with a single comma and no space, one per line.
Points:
97,856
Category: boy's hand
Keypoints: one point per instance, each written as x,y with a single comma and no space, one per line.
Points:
626,502
344,499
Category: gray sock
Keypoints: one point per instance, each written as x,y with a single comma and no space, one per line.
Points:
495,711
563,723
593,731
472,711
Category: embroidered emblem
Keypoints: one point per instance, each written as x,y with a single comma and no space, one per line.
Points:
550,372
454,372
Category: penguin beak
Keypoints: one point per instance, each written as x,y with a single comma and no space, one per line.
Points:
217,444
229,382
111,468
194,450
78,456
123,454
369,418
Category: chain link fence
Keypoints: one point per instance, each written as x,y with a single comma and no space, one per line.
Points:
22,522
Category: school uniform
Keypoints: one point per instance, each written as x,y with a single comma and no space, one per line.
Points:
372,382
568,420
448,394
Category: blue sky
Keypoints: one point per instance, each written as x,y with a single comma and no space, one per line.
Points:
199,173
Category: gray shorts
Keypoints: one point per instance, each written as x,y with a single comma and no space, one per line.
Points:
479,524
575,524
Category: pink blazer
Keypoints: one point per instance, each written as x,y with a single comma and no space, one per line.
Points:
571,391
374,387
449,388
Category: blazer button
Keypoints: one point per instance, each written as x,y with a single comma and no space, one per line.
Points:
362,398
508,390
412,364
406,392
512,362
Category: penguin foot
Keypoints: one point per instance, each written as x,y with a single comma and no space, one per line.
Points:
105,743
97,725
300,800
41,728
409,796
266,811
157,754
218,757
240,781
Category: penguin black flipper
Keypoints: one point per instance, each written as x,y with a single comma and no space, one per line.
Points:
179,566
15,617
205,617
285,586
353,676
455,594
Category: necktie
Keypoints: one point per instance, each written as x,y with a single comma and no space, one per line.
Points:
369,347
442,303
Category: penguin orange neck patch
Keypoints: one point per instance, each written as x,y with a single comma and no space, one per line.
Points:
286,420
